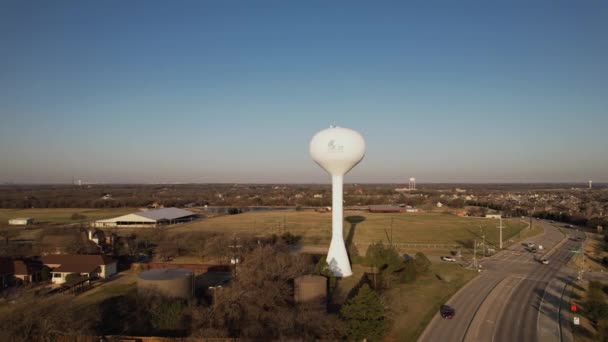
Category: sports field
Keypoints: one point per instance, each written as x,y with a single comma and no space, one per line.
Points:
364,227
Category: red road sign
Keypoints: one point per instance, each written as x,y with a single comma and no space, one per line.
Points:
573,308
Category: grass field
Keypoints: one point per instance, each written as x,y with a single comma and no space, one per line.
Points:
61,215
363,227
412,306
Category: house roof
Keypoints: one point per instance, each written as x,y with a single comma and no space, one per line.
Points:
79,263
20,267
76,268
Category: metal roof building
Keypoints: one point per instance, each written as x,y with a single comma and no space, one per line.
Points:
148,218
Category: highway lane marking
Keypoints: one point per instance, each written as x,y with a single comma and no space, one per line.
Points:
466,331
502,309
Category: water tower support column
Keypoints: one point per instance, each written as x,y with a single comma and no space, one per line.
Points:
337,257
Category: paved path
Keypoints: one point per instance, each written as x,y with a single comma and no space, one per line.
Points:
516,298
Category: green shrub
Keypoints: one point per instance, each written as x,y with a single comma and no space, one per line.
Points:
408,274
384,258
364,316
421,262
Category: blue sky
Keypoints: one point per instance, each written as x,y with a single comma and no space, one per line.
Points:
232,91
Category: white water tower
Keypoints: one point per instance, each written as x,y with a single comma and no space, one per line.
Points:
590,184
412,183
337,150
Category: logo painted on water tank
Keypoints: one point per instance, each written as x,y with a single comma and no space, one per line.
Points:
333,147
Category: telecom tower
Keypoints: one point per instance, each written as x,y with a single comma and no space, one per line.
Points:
412,183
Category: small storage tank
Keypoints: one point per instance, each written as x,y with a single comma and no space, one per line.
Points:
171,282
311,290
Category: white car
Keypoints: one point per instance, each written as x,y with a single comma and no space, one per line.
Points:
544,262
448,258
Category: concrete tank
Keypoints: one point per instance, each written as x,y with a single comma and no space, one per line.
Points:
171,282
311,291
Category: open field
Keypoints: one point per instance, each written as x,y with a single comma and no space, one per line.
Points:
61,215
361,227
412,306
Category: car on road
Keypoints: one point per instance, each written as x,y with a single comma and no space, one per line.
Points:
448,258
447,311
529,244
544,261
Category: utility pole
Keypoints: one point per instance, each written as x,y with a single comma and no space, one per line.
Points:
235,257
475,253
582,266
392,231
484,244
582,269
500,227
532,214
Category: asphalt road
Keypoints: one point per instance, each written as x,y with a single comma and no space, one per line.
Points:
511,300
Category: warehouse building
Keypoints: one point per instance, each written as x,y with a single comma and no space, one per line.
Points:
21,221
148,218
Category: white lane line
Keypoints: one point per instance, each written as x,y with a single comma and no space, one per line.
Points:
540,306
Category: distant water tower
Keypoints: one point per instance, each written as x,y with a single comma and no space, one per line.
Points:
590,184
412,183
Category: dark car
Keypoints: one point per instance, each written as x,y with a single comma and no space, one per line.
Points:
447,311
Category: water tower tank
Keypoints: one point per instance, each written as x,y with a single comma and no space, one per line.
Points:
337,149
171,282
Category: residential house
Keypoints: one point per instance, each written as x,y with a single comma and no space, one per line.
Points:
91,266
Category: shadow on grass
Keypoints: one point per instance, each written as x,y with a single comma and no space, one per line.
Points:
354,221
